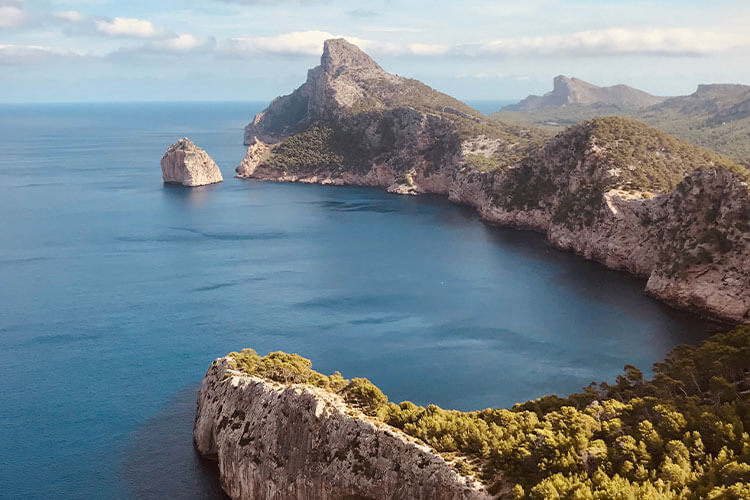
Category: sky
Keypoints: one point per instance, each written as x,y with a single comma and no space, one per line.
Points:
245,50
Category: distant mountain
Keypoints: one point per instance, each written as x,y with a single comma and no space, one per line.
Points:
567,91
717,103
716,116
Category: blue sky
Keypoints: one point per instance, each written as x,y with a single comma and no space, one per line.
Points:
116,50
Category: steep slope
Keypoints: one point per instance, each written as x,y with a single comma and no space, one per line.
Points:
567,91
282,430
607,188
352,122
278,435
717,102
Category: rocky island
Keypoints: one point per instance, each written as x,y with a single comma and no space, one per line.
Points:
281,430
186,164
611,189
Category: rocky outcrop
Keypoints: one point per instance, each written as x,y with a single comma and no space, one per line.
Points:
186,164
296,441
567,91
608,189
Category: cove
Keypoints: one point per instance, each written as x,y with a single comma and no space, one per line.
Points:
118,291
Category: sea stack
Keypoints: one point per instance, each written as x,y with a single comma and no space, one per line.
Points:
186,164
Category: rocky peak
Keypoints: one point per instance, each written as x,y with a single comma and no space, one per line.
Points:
183,144
567,91
339,55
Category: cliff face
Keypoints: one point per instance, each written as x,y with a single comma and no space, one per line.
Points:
568,91
186,164
609,189
295,441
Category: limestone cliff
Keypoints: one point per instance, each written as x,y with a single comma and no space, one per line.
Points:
186,164
295,441
609,189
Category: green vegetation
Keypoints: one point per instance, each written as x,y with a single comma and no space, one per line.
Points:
731,137
681,435
319,148
294,369
481,162
602,154
649,159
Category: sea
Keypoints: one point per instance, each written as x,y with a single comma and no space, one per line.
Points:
117,292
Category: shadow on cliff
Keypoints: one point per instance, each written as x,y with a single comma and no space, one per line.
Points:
161,462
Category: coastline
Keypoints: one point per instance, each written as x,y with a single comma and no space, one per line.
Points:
466,189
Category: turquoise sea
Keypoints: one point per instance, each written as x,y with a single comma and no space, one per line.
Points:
116,293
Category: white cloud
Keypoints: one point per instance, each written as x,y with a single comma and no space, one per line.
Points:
391,29
31,54
295,43
70,16
11,15
127,26
612,41
180,43
310,43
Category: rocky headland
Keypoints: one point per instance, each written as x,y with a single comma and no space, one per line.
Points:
186,164
280,430
570,91
278,439
611,189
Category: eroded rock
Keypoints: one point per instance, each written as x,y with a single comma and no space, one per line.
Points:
295,441
186,164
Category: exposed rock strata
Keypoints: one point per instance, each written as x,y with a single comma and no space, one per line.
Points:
611,189
186,164
295,441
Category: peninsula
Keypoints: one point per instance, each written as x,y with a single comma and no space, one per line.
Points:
611,189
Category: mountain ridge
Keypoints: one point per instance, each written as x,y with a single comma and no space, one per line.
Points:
715,116
567,91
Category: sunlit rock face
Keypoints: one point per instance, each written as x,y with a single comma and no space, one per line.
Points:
186,164
611,189
294,441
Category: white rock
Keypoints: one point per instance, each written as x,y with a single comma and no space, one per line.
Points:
186,164
278,441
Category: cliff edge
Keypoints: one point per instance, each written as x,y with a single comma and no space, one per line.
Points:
277,440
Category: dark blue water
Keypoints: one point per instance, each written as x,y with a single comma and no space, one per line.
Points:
116,292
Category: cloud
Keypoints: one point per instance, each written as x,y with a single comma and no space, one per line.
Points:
391,29
296,43
672,42
22,55
310,43
127,27
675,42
70,16
179,43
12,14
363,13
